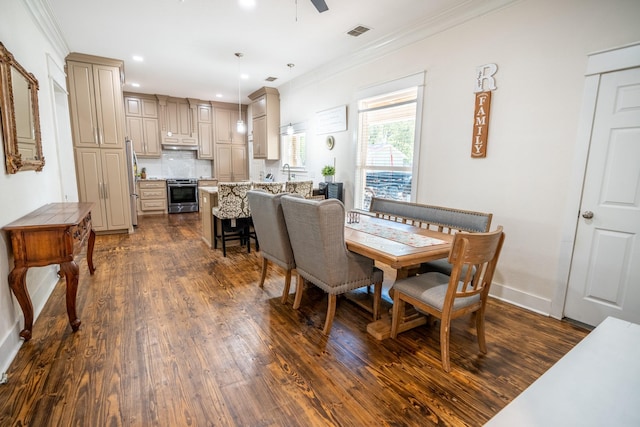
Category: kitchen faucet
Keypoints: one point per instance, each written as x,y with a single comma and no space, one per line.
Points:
286,165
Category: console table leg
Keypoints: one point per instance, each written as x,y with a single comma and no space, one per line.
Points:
19,287
70,270
90,243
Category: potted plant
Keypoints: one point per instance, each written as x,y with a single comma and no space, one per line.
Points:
328,172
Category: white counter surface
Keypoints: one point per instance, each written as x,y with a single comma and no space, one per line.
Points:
596,384
209,189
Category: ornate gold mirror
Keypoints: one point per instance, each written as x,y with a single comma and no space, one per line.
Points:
19,115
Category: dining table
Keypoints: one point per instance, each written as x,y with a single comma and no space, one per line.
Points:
398,245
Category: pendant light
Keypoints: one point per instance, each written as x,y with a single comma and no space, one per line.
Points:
240,127
290,130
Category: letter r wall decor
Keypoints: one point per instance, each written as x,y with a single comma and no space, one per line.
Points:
482,110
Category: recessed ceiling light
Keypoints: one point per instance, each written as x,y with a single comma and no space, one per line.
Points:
247,4
138,58
244,76
218,95
135,84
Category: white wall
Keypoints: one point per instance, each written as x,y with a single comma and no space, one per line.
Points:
541,48
26,191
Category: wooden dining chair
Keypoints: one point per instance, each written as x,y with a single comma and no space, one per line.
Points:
268,221
316,233
474,257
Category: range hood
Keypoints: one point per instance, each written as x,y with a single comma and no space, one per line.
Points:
179,147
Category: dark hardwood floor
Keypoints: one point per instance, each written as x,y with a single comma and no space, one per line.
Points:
173,334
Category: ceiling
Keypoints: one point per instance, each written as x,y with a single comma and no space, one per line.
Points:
189,46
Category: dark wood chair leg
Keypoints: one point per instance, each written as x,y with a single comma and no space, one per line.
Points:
224,242
215,233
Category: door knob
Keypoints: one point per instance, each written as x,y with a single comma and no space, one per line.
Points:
587,215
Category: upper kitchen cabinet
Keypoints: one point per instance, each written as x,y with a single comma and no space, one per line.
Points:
142,125
96,101
226,129
178,121
204,112
265,114
231,160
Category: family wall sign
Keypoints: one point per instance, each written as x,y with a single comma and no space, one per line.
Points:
485,83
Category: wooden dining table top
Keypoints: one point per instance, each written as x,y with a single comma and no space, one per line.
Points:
396,244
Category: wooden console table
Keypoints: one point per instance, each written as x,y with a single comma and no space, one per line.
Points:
52,234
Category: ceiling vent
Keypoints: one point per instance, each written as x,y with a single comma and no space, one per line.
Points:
358,31
271,79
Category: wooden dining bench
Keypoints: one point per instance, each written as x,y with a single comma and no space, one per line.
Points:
446,220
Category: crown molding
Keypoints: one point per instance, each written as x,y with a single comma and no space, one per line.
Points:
421,30
46,21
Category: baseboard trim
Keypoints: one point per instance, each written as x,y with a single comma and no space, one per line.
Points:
521,299
9,345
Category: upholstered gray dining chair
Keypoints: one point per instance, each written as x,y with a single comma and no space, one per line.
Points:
316,233
474,257
271,230
234,215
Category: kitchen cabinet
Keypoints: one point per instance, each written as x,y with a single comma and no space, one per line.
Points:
152,197
226,126
231,157
142,124
103,181
265,113
204,113
208,200
231,162
178,121
95,101
96,106
206,183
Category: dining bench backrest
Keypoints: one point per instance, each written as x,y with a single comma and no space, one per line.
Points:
447,220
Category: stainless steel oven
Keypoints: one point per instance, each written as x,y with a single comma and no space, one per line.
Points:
182,194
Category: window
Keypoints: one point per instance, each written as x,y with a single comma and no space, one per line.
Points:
295,150
386,142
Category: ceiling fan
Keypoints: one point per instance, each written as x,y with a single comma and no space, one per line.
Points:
321,5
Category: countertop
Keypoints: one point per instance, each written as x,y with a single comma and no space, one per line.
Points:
209,190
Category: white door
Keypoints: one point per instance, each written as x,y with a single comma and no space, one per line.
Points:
605,269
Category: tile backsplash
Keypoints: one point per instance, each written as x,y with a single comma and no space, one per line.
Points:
177,164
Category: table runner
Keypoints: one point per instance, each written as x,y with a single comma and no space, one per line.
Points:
400,236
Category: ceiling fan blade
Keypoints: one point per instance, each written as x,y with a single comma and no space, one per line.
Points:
321,5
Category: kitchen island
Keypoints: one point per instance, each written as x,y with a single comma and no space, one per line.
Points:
208,200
